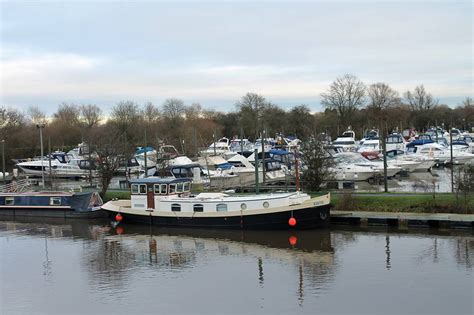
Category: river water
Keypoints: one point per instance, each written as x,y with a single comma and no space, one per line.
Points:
80,267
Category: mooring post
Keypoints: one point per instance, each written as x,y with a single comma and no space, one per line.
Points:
256,171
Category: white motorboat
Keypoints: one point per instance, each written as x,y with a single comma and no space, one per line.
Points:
220,147
62,165
346,141
425,163
357,159
395,141
370,145
350,172
443,154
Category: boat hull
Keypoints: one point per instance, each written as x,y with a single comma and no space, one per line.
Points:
306,218
45,212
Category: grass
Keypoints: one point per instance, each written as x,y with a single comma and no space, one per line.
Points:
119,194
442,203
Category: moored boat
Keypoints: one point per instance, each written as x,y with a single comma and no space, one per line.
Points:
169,202
51,204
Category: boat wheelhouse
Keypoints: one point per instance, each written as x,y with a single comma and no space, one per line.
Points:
169,202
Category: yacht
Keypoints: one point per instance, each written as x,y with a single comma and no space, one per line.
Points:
424,163
221,147
370,145
359,160
346,141
443,154
395,141
62,165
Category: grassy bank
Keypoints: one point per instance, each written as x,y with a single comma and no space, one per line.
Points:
119,194
442,203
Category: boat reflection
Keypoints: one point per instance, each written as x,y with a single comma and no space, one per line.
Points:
120,258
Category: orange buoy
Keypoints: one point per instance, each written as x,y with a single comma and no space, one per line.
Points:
119,230
292,221
118,217
293,240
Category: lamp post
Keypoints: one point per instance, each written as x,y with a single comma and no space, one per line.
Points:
3,159
40,127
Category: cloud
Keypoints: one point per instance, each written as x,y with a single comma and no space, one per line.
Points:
26,65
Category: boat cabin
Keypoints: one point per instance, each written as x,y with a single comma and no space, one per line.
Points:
152,187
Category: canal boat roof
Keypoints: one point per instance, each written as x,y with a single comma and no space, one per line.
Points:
160,180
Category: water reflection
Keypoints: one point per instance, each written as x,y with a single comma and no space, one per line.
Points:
387,252
137,262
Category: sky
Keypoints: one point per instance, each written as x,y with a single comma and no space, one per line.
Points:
103,52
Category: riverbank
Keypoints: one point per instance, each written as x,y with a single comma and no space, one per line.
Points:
414,203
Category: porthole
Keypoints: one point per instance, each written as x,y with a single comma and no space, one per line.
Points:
266,204
243,206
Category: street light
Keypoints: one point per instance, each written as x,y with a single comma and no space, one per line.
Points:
40,127
3,159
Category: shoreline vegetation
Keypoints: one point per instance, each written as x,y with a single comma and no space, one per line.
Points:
404,202
382,202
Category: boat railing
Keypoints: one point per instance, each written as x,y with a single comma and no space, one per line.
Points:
16,186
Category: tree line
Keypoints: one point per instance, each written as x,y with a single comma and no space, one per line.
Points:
347,102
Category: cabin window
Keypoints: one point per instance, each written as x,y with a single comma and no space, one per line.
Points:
186,187
266,204
179,187
163,189
221,207
175,207
160,189
134,189
243,206
55,201
198,208
172,188
142,189
9,201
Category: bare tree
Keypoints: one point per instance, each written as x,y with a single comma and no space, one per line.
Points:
382,97
10,121
173,109
345,95
150,113
125,117
468,102
251,107
91,115
36,115
193,111
420,100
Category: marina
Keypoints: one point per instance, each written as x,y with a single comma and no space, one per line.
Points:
236,157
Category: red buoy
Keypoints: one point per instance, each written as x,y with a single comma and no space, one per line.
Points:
293,240
292,221
119,230
118,217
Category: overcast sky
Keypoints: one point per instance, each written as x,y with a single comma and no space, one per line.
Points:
102,52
